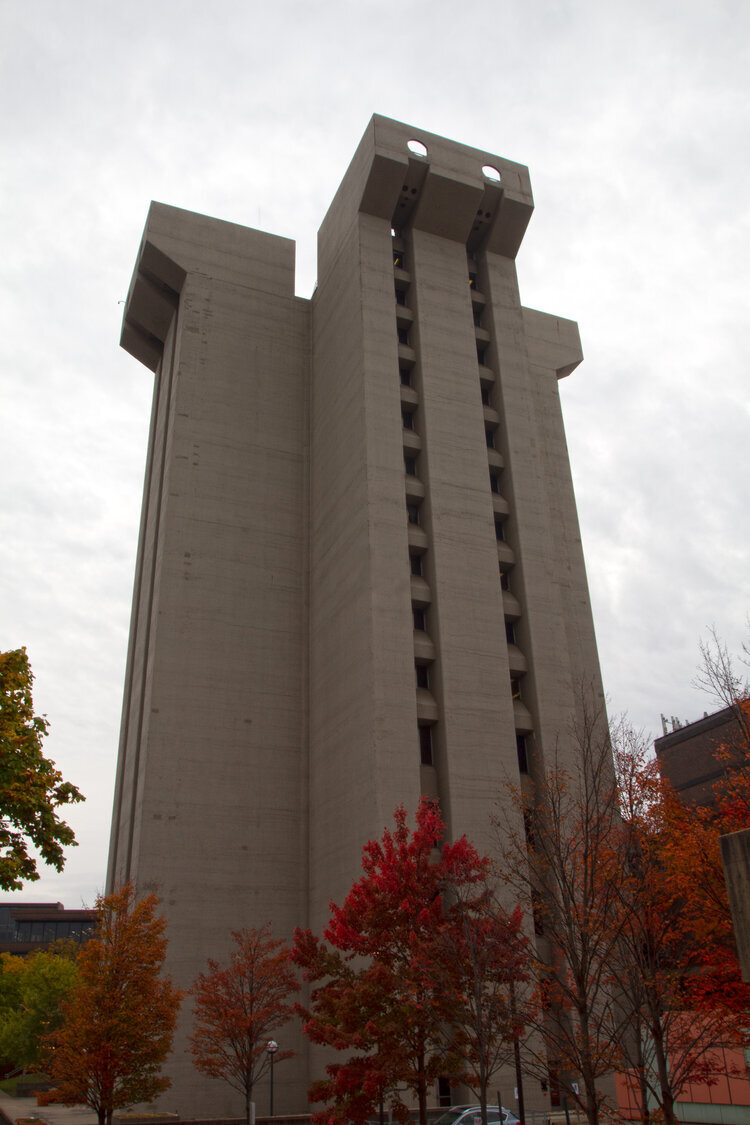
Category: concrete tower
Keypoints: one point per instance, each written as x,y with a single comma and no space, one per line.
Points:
360,576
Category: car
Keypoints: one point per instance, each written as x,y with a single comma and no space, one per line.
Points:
472,1115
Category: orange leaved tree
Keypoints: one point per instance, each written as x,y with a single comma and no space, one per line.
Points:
119,1022
238,1007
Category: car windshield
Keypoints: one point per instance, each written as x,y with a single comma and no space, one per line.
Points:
450,1115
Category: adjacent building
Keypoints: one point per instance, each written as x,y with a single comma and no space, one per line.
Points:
360,576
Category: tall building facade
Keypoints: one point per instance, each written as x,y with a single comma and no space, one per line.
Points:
360,577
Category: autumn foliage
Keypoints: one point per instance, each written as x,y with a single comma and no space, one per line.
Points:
239,1007
386,985
31,788
119,1022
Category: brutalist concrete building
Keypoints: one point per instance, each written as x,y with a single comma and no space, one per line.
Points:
360,575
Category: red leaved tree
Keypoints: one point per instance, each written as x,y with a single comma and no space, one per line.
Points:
119,1022
674,966
238,1007
381,989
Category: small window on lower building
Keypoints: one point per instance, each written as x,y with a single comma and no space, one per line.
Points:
425,745
523,761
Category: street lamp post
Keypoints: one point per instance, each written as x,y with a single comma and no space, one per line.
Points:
271,1047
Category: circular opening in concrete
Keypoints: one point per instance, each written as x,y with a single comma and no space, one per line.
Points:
491,173
417,148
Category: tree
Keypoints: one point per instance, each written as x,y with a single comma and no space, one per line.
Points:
33,1006
571,819
119,1022
239,1007
481,956
674,967
31,788
377,986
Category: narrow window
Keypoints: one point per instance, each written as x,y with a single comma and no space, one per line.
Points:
400,296
403,335
419,619
494,482
407,419
515,689
410,465
481,355
499,529
423,676
478,316
472,280
412,510
489,437
510,633
485,396
398,259
444,1092
504,580
425,745
415,562
523,761
405,376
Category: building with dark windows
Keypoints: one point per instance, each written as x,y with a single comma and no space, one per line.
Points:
360,577
27,927
695,756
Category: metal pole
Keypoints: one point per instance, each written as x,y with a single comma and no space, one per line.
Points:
517,1053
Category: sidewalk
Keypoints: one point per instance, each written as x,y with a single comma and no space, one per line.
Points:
13,1108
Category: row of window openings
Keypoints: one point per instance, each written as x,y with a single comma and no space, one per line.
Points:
426,754
405,338
399,263
412,510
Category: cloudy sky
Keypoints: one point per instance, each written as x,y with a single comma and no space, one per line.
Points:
634,119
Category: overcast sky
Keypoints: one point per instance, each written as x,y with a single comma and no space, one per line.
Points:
634,119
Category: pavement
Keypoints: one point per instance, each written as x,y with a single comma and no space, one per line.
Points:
13,1108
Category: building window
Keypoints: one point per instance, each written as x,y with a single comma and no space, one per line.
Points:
400,296
485,396
403,335
494,483
398,259
504,580
415,562
407,419
410,465
510,633
412,510
405,376
423,676
489,437
515,689
444,1091
419,619
478,316
481,355
472,280
425,746
523,761
499,529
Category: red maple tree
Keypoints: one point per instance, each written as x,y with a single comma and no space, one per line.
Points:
238,1007
382,987
118,1024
